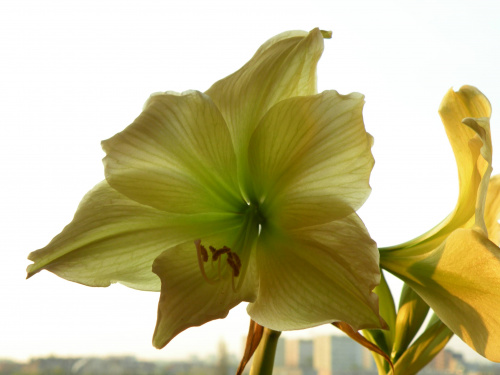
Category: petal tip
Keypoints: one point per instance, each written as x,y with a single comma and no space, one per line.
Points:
327,34
159,343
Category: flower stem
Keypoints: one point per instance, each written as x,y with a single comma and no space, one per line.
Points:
263,359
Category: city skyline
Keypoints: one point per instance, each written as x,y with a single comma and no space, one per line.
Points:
323,355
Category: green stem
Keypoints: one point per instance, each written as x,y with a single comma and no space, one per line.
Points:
263,359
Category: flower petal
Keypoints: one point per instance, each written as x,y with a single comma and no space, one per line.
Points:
317,275
466,142
465,117
283,67
114,239
177,156
492,210
460,282
187,299
311,159
467,102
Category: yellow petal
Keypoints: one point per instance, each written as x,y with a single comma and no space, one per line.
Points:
284,67
465,117
460,280
466,142
187,299
310,159
482,128
492,210
115,239
177,156
467,102
311,276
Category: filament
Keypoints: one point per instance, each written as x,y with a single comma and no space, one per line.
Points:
201,261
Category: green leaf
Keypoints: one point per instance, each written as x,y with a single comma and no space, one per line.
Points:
411,314
424,349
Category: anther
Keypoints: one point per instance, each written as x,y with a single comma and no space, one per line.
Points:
234,262
237,260
219,252
204,254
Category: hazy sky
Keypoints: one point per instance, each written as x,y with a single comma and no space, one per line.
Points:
75,72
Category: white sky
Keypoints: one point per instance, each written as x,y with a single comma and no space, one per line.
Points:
75,72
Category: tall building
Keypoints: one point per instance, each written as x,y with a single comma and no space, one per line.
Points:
222,359
339,354
299,353
447,362
294,357
279,357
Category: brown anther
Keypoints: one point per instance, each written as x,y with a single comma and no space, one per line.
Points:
219,252
201,251
234,267
236,272
204,254
234,262
237,260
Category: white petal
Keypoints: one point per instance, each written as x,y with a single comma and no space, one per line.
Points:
177,156
317,275
115,239
310,159
283,67
187,299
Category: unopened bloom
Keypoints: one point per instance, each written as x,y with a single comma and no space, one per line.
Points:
455,267
246,192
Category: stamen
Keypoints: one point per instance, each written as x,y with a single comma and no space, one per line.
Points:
233,286
237,260
204,254
233,261
232,264
236,272
242,276
199,252
218,268
219,252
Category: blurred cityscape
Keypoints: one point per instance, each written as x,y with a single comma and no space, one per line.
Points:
324,355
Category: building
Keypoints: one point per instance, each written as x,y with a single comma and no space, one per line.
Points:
447,362
340,355
294,357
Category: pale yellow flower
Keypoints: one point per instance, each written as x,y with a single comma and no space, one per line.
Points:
246,192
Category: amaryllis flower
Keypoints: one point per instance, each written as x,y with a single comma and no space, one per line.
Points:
246,192
455,267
